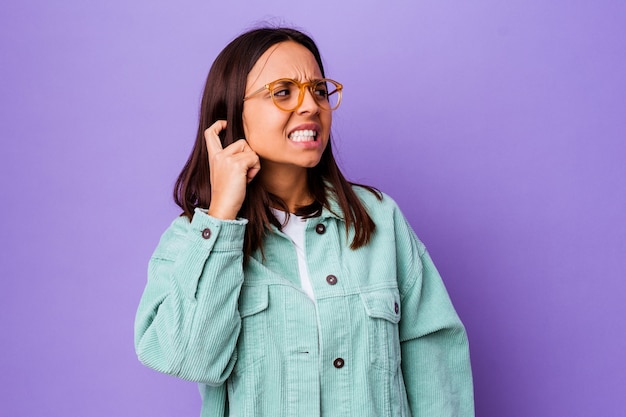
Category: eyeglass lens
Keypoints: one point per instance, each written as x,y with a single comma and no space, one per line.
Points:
286,94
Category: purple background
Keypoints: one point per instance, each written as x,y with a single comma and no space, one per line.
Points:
498,126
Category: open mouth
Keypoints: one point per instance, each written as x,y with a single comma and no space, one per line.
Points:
305,135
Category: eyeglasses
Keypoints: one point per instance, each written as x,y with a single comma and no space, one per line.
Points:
288,94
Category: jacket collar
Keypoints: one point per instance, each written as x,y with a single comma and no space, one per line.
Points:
333,210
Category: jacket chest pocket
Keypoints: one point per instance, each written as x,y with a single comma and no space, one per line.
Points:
253,302
383,315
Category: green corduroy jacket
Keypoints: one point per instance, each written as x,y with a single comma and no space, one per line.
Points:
382,338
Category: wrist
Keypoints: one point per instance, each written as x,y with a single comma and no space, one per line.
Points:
222,213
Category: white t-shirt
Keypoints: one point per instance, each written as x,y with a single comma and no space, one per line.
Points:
295,231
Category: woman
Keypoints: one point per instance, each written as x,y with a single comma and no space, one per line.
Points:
284,289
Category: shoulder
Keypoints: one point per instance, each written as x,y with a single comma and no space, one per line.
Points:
388,218
377,203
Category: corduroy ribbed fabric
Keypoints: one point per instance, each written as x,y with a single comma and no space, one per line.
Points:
383,339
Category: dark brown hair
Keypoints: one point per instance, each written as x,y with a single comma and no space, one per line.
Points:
223,100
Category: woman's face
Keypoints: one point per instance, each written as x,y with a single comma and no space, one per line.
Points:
280,138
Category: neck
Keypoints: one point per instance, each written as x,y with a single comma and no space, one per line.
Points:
290,185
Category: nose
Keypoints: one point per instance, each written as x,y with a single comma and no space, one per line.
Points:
309,104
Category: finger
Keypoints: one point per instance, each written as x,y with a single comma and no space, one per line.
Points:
249,163
212,139
253,170
243,152
244,147
235,148
254,165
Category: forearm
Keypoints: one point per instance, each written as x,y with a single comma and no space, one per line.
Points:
434,345
437,374
188,323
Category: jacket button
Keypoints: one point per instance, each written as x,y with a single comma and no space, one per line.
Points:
331,279
320,229
206,233
396,307
338,363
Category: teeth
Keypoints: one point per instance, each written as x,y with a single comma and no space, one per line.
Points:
303,135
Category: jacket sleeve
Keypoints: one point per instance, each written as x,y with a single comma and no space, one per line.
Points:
434,346
187,323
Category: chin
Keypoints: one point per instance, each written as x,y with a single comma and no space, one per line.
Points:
311,164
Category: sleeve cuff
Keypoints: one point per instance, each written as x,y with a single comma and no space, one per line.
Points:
222,235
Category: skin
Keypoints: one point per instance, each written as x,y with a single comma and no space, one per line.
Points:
268,152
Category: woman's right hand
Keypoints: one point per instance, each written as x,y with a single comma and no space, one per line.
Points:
232,168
